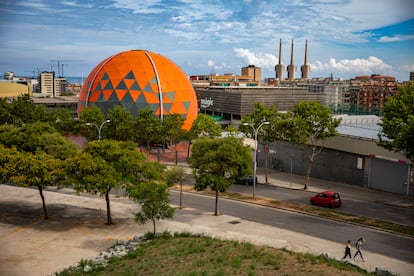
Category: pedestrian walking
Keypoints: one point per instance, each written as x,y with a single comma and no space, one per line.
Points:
358,246
348,247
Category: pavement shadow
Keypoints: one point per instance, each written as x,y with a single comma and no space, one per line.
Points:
62,217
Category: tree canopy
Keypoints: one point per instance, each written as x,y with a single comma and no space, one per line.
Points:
174,175
37,137
311,124
148,129
94,116
218,162
154,200
21,111
108,164
121,127
204,125
172,128
26,169
397,124
266,133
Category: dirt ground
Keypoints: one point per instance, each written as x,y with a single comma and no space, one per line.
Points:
76,230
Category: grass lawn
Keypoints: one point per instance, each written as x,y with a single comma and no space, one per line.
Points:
187,254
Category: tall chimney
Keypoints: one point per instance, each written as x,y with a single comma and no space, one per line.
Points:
305,68
291,68
280,68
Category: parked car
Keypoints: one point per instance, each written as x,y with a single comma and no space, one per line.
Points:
329,199
247,180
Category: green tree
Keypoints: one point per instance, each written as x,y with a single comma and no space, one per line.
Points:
108,164
37,137
26,169
172,128
397,132
154,200
22,110
218,162
92,174
203,125
121,127
94,116
148,128
63,120
267,133
173,175
5,117
311,124
6,156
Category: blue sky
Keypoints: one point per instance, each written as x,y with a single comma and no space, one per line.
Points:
345,37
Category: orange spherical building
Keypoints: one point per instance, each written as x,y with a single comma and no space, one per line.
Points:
138,79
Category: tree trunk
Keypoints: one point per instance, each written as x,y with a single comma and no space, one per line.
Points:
216,208
188,149
309,168
308,171
43,201
181,194
266,155
108,208
154,225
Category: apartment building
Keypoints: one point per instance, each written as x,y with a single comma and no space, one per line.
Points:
368,94
49,86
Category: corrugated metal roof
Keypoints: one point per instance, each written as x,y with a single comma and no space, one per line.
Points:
362,126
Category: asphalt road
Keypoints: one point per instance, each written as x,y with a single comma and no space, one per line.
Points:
351,204
384,243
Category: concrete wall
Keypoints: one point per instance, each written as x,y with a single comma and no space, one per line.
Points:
350,167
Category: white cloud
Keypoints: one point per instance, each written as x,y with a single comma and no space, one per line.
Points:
372,14
407,68
35,5
214,67
260,60
370,65
396,38
145,7
178,19
189,36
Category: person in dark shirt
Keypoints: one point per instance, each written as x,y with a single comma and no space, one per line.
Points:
348,247
358,246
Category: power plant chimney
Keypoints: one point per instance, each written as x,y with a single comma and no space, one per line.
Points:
305,68
280,68
291,68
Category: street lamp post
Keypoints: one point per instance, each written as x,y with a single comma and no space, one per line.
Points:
256,131
99,128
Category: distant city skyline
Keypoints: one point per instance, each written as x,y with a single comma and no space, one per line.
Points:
346,38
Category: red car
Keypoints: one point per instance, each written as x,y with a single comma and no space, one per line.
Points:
329,199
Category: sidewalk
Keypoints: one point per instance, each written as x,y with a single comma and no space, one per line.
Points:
76,230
